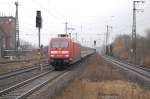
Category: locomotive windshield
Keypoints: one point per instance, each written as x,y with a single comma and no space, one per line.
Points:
59,44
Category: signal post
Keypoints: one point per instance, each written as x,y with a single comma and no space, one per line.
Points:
39,26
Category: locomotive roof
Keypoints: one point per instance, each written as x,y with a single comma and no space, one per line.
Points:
59,38
64,38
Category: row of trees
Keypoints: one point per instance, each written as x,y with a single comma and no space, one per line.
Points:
123,43
24,45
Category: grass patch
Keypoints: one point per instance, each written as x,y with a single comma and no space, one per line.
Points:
117,89
102,80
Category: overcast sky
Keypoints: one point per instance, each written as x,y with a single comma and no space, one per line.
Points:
88,17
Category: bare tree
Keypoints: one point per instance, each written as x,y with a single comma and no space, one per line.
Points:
122,47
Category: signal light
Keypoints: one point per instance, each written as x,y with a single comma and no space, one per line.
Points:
38,19
94,43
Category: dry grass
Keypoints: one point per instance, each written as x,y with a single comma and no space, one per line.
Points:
83,89
29,62
101,80
99,70
13,66
147,62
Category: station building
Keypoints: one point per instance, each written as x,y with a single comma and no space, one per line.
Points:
7,33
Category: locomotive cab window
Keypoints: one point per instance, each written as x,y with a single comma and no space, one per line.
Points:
59,44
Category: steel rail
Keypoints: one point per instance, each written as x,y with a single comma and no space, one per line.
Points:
19,71
24,90
134,69
14,87
22,70
138,66
16,61
42,84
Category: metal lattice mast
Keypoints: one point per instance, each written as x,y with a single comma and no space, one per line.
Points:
66,27
134,31
134,34
17,27
107,38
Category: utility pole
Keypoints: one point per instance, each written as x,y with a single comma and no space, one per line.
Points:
66,27
17,28
133,56
81,28
82,39
107,37
76,36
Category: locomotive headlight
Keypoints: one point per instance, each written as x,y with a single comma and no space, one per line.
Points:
67,55
54,52
65,52
52,55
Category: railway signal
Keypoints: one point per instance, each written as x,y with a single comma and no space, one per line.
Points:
38,19
94,42
39,26
39,23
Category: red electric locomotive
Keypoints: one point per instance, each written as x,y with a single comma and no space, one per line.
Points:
63,51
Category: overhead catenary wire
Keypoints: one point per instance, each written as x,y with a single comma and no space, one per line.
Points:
60,13
6,4
138,24
47,10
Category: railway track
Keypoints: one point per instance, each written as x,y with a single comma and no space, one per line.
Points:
23,70
140,72
18,61
13,78
138,66
19,71
27,87
18,90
